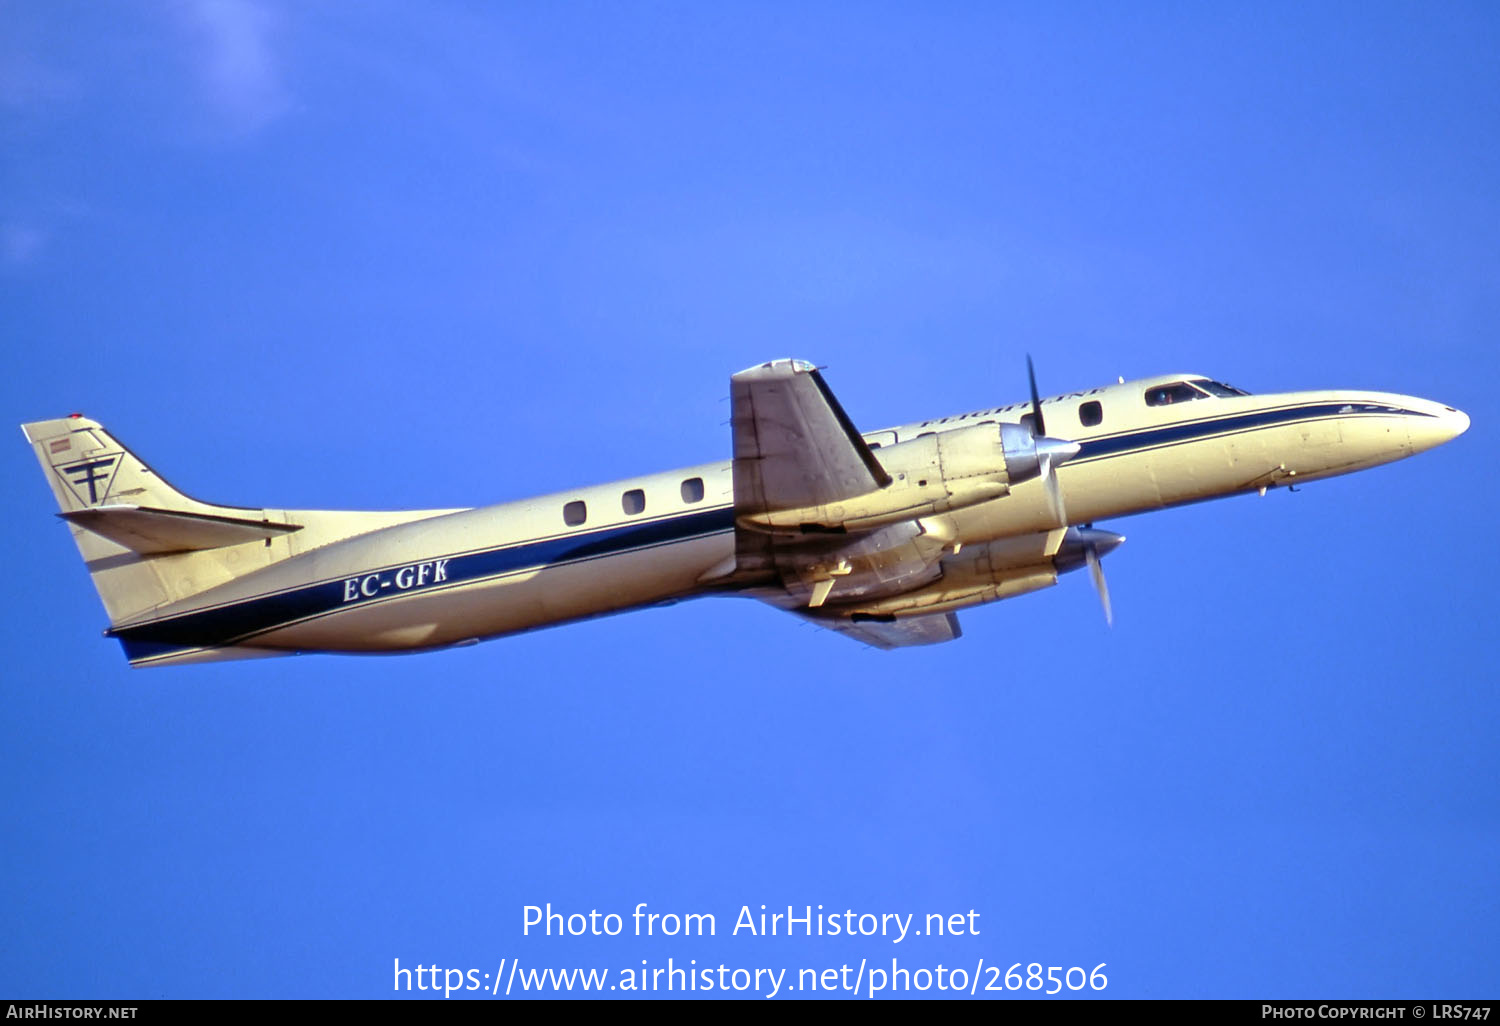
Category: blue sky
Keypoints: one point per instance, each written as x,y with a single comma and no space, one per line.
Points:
393,256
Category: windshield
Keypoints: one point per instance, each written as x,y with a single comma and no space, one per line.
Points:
1177,392
1218,388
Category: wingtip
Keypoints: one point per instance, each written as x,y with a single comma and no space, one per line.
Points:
774,367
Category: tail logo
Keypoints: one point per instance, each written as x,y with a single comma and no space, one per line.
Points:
92,477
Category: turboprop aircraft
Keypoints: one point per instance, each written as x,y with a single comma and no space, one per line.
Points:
881,535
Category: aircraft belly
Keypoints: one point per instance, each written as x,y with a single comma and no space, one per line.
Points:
1109,487
412,621
629,579
1201,469
517,601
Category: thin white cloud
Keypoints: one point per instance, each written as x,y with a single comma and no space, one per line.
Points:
236,60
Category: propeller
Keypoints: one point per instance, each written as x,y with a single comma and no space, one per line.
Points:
1036,401
1096,571
1049,452
1088,545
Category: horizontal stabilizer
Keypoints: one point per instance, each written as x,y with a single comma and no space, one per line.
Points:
155,532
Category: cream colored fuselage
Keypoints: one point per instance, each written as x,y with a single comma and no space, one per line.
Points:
481,573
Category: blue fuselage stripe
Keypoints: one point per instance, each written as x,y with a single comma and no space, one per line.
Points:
1151,438
238,621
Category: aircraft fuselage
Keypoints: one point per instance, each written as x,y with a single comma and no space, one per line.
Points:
486,572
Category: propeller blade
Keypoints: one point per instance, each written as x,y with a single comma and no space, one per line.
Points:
1054,496
1050,451
1096,571
1036,401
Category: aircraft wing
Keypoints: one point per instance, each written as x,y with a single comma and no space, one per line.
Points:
794,449
793,444
932,629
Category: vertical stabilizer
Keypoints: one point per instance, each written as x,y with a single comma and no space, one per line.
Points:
143,541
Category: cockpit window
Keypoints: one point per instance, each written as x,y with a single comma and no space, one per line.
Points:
1177,392
1218,388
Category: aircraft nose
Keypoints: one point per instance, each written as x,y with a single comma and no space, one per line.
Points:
1458,421
1442,425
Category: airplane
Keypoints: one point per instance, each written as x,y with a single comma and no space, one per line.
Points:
883,535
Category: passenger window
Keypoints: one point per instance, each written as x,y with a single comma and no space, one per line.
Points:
1177,392
1091,414
633,501
692,490
575,513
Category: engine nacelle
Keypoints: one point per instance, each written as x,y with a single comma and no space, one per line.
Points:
996,570
932,474
889,560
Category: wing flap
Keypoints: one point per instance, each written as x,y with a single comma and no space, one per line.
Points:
156,532
897,632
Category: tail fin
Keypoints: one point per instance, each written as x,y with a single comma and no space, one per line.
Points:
145,543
